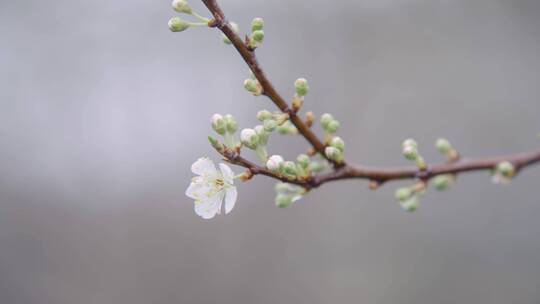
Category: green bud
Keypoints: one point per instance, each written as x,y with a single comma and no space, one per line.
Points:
258,36
442,182
443,146
337,142
253,86
270,125
303,160
181,6
410,149
178,25
410,142
263,135
334,154
506,169
264,115
287,128
283,200
283,187
235,29
301,86
232,126
257,24
249,138
326,119
316,167
403,194
289,168
218,124
332,126
215,143
411,204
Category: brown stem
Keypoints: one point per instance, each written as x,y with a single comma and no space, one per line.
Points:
343,171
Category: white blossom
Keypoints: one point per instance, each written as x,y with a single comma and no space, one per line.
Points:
210,187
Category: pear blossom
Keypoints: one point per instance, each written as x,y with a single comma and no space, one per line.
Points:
210,187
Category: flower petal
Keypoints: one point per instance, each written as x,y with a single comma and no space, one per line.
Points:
227,173
203,166
210,206
230,199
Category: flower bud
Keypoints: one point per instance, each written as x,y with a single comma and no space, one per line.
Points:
410,152
218,124
303,161
249,138
411,204
337,142
287,128
232,126
178,25
403,194
316,167
310,118
283,200
301,86
326,119
257,24
506,169
181,6
442,182
263,135
258,36
270,125
215,143
289,168
410,142
274,163
235,29
334,154
253,86
443,146
264,115
332,126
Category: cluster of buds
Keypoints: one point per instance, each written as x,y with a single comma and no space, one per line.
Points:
288,194
409,197
410,152
329,124
177,24
289,169
225,126
335,150
257,33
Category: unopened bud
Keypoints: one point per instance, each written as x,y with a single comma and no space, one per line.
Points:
218,124
263,135
283,200
215,143
264,115
181,6
334,154
333,126
178,25
303,160
410,149
403,194
253,86
301,86
297,103
289,168
257,24
274,163
442,182
411,204
337,142
443,146
310,119
506,169
326,119
270,125
232,126
249,138
257,36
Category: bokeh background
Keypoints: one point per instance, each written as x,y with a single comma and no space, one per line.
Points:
103,110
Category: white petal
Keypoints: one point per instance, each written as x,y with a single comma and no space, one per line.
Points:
198,189
230,199
227,172
209,207
203,166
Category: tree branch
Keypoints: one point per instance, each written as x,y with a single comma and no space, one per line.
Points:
343,170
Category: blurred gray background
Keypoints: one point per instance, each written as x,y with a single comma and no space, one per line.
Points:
103,110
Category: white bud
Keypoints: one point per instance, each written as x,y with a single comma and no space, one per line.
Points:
337,142
443,146
181,6
334,154
274,163
301,86
249,138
